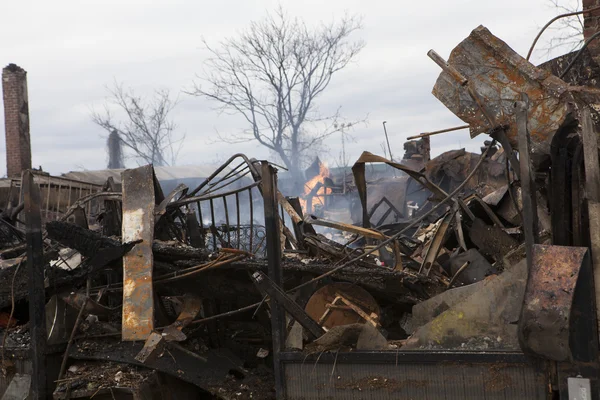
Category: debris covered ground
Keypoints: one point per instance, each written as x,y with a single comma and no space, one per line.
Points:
146,289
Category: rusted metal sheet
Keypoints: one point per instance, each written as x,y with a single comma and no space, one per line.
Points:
138,224
191,306
545,325
496,76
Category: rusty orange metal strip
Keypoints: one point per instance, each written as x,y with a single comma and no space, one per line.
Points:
138,223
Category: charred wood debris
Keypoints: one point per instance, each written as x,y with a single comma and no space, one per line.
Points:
177,286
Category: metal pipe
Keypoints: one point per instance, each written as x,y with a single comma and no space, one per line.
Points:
425,134
387,140
447,67
212,217
251,217
227,220
237,211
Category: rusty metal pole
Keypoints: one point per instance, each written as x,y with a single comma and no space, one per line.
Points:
269,192
37,294
592,191
528,188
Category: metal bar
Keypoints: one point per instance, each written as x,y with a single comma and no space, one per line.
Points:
237,211
48,199
213,189
278,296
227,220
234,171
200,214
193,230
189,200
311,219
386,139
447,68
251,249
426,134
58,201
592,188
37,294
460,235
89,210
528,187
269,191
138,223
69,200
212,218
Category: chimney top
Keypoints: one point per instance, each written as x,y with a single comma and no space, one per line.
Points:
14,68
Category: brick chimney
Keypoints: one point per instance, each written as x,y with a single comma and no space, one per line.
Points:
591,25
16,120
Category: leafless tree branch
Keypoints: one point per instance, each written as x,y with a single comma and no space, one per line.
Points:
272,74
568,32
146,127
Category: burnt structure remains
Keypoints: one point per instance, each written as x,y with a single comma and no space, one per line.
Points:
460,276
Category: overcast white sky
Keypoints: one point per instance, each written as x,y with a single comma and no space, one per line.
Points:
73,48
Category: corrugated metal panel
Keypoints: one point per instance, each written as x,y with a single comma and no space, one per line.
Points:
413,381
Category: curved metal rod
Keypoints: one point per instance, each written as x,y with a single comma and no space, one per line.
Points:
552,21
255,172
188,200
457,274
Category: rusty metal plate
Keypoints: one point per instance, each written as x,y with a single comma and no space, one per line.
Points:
138,223
497,76
546,316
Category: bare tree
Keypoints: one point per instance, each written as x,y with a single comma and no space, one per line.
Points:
145,127
568,34
272,75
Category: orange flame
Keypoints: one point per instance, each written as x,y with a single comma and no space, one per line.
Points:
319,197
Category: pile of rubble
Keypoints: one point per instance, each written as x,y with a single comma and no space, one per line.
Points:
190,287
